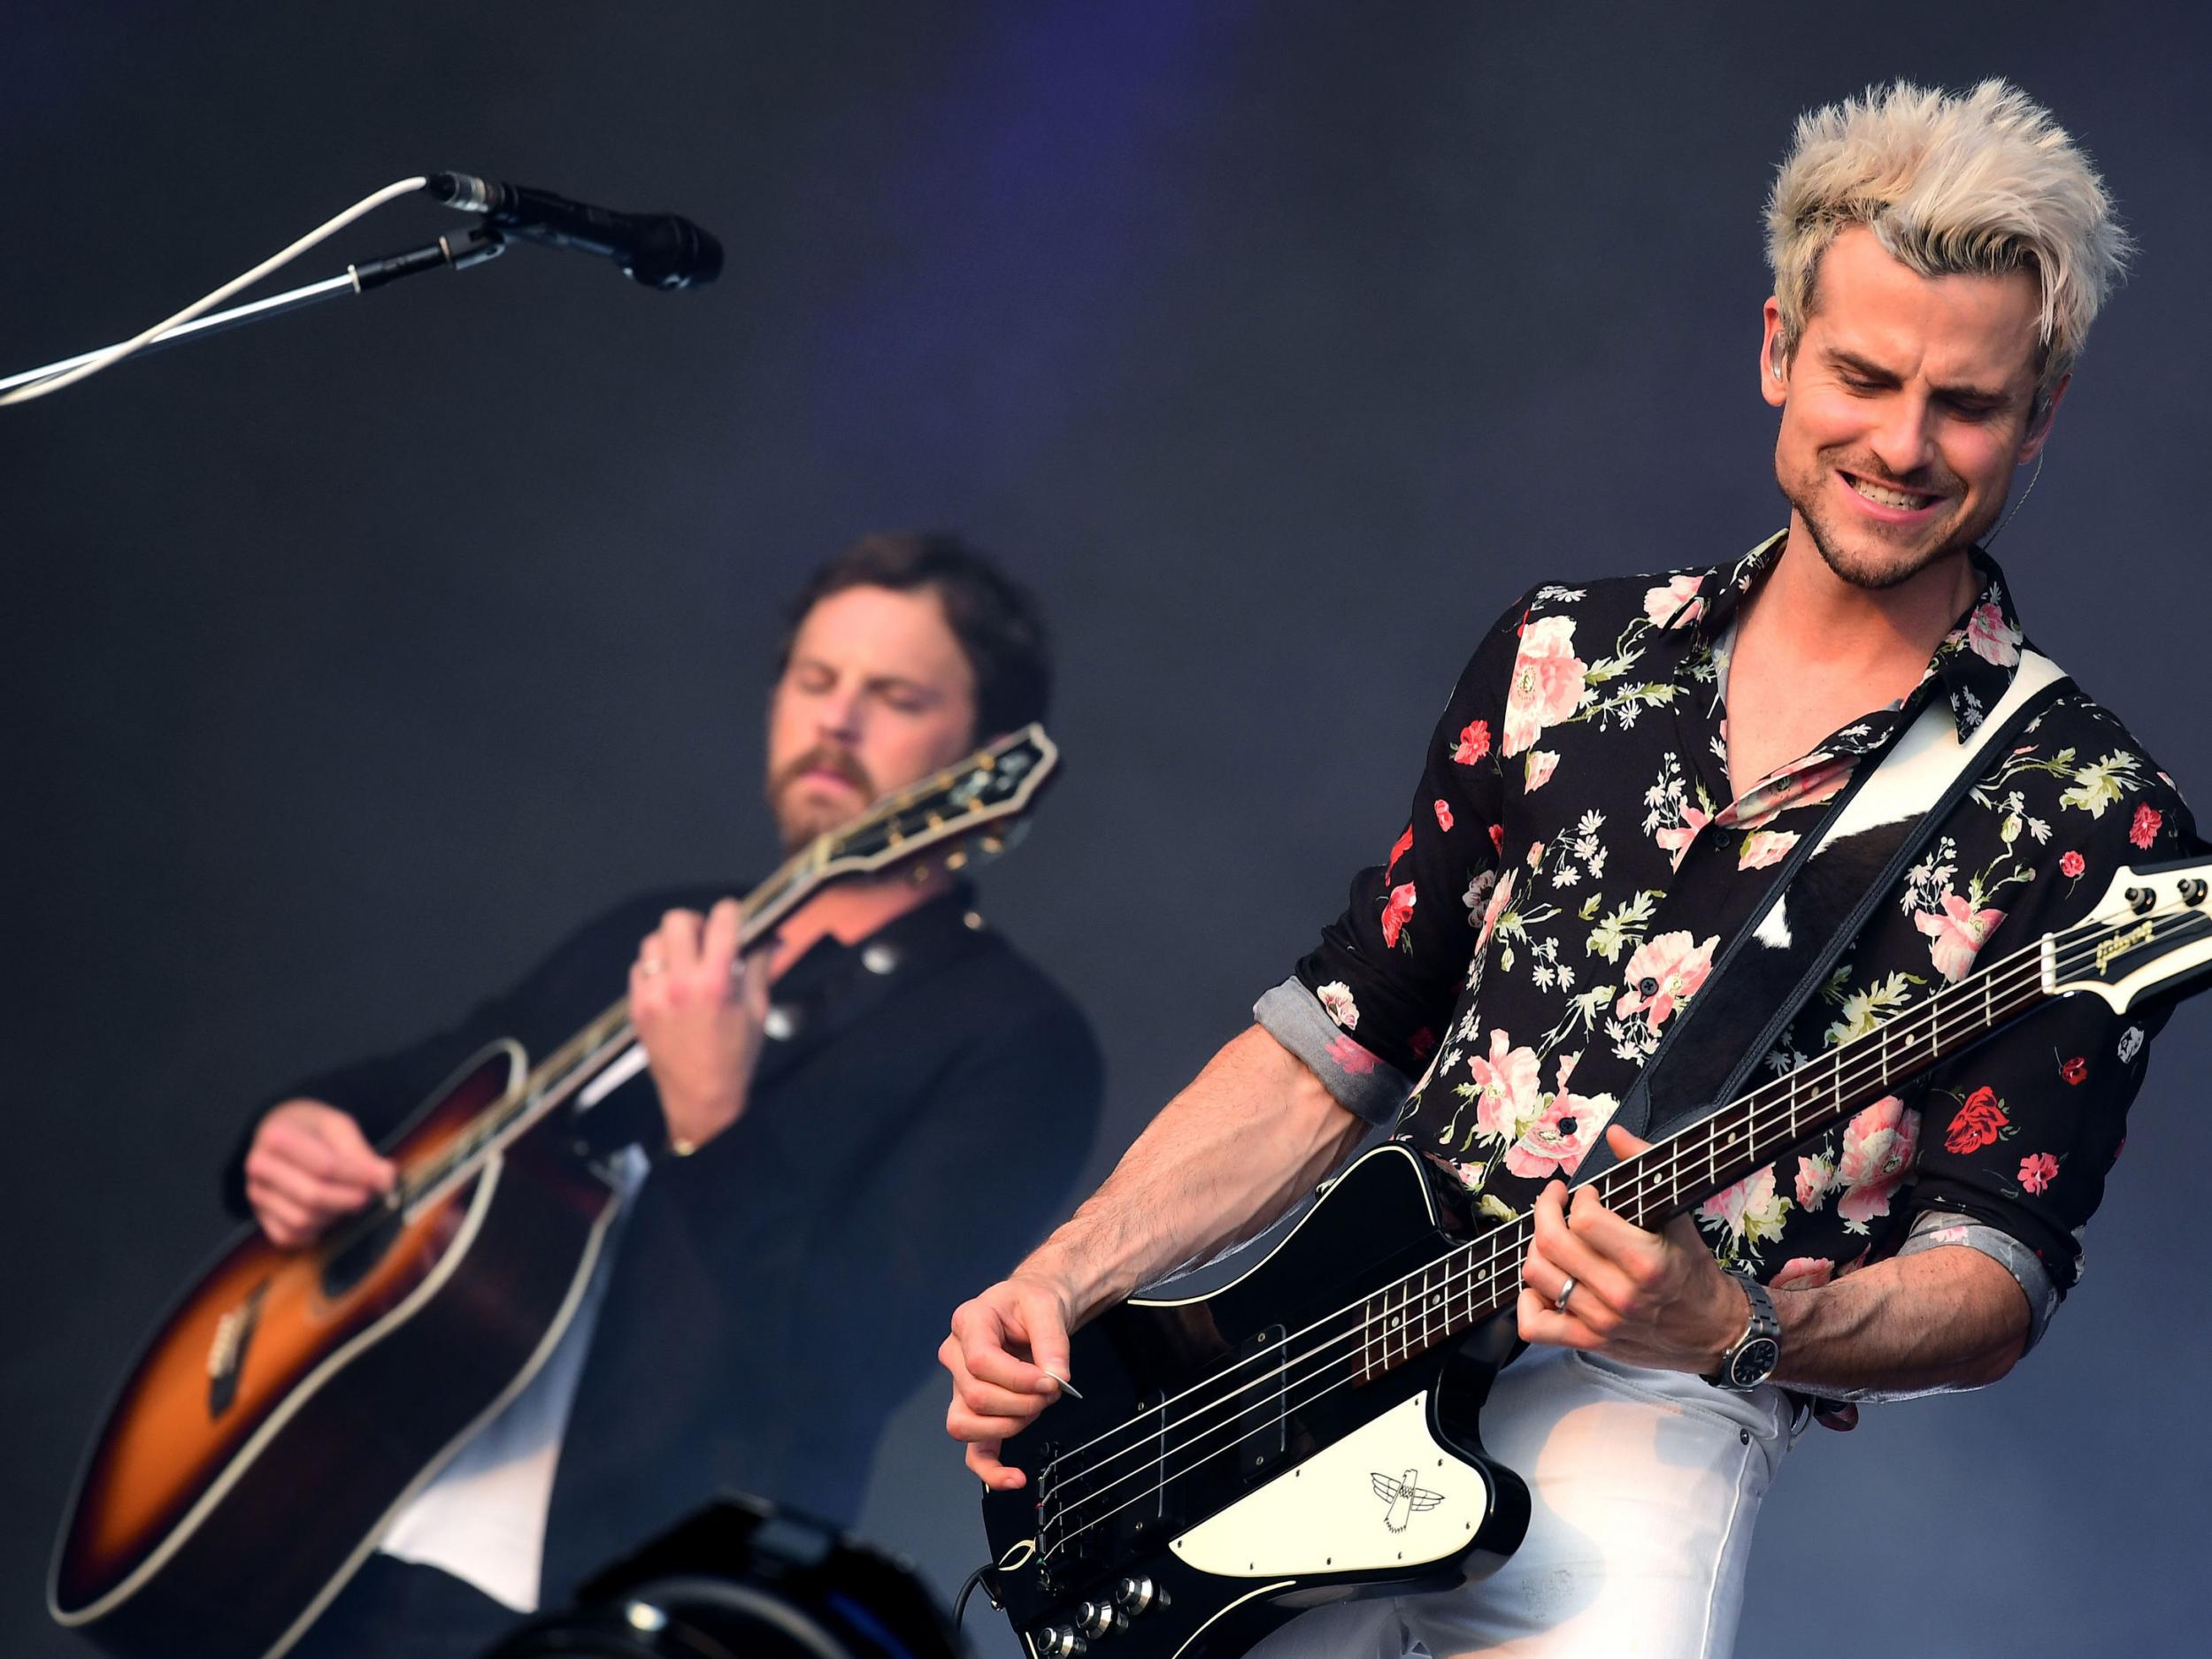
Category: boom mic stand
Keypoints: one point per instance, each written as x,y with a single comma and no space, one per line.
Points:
457,251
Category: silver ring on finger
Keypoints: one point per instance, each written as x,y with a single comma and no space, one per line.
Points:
1559,1302
651,966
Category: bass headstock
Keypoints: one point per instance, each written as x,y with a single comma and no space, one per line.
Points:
2151,933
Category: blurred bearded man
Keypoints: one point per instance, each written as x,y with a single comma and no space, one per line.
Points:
802,1158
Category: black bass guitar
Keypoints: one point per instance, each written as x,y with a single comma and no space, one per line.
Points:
291,1401
1310,1432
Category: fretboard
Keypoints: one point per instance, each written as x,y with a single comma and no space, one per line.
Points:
1459,1291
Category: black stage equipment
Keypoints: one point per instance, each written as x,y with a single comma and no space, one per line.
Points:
744,1578
661,251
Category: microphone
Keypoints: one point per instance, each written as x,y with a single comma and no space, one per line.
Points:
661,251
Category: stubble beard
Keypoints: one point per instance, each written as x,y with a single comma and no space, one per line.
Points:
1850,564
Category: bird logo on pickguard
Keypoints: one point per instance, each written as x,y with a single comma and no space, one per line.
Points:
1404,1498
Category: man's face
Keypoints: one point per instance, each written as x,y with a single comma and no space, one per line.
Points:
877,695
1905,409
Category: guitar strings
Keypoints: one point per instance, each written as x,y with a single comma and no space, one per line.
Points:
1470,1271
1345,1371
575,1063
1506,1244
1507,1249
1879,1037
1446,1290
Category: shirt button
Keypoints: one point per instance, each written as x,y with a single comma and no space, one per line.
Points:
1647,987
880,958
782,1023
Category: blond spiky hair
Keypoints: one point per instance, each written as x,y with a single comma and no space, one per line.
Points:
1953,184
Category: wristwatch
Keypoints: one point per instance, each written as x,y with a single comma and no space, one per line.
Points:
1751,1358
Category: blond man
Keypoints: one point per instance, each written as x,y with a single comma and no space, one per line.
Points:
1618,778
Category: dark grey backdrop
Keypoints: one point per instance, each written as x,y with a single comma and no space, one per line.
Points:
350,660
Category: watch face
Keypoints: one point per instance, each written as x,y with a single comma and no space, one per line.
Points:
1755,1361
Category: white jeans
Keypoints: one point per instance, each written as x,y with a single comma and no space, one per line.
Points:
1643,1488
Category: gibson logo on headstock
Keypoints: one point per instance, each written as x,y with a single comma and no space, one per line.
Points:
2119,943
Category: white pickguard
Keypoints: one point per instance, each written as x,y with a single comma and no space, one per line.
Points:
1383,1495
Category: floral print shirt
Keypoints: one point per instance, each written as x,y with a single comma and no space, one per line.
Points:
1573,861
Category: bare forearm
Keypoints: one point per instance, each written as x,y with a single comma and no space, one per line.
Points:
1224,1158
1942,1320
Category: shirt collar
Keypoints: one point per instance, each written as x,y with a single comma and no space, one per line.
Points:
1972,666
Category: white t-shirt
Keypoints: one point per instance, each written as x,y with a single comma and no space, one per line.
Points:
483,1517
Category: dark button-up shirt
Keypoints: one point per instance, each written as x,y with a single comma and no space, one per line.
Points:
1575,859
919,1116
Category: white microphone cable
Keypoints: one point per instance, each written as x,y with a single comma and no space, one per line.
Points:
116,353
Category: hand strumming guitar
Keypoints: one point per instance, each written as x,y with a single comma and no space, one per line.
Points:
699,1008
309,1164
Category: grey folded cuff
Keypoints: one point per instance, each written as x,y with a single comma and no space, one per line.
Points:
1363,1084
1932,1229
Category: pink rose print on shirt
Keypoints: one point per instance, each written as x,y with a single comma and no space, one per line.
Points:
1540,762
1557,1141
1676,838
1661,602
1664,973
1763,848
1508,1078
1956,934
1566,1129
1497,838
1474,742
1548,683
1501,900
2076,1070
2038,1170
1397,912
1444,815
1879,1146
1397,851
1751,1206
1816,1179
2143,831
1992,638
1336,996
2071,864
1803,1272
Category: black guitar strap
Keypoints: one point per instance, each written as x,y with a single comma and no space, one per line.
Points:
1924,761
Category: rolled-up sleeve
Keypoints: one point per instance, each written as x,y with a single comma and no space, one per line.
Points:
2019,1133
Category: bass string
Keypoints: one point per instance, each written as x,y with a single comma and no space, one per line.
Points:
1507,1249
1511,1248
1481,1270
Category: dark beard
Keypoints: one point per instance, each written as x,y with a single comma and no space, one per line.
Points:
798,829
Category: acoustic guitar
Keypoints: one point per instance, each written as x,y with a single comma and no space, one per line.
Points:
292,1401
